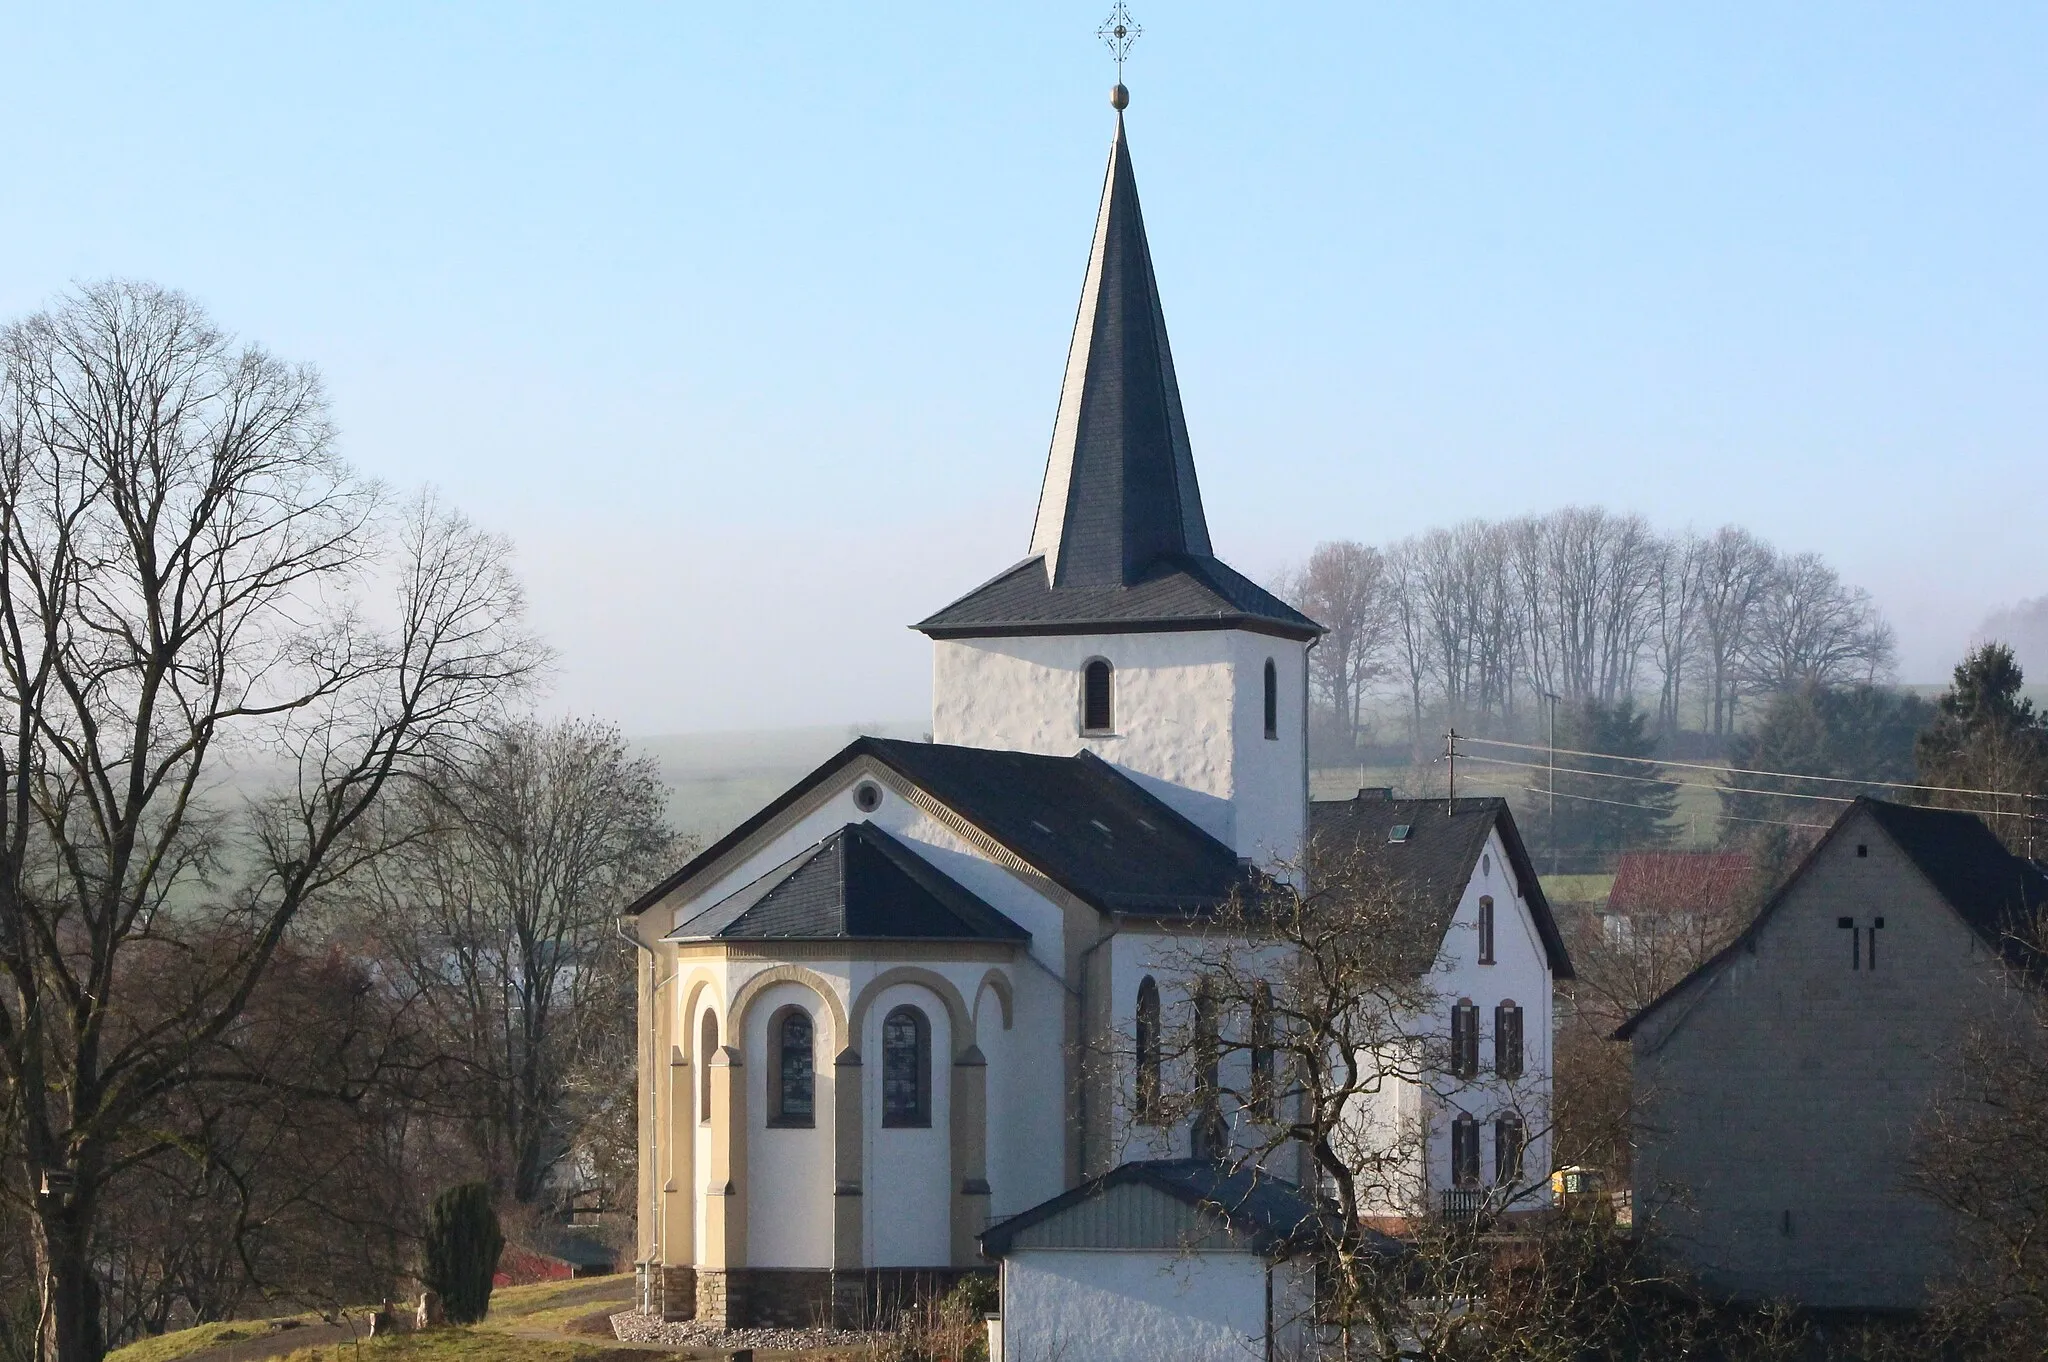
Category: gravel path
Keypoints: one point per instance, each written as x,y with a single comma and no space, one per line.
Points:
633,1327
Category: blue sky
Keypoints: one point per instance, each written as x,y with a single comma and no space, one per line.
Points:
747,322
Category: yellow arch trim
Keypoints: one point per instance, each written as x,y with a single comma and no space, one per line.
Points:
789,974
956,1007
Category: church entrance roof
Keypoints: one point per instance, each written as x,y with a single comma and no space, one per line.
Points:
857,884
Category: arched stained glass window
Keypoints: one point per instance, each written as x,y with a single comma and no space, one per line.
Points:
1262,1053
906,1068
1147,1095
792,1075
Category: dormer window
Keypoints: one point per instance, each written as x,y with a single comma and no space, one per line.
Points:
1098,687
1272,699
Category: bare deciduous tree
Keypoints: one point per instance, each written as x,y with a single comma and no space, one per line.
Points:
1811,629
189,573
1735,570
1348,589
499,903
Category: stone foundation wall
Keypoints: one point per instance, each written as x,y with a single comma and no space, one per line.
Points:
678,1293
803,1298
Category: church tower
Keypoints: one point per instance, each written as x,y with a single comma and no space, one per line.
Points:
1122,634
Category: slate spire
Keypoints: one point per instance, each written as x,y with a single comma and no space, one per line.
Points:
1120,488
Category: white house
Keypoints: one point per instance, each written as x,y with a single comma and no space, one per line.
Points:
1477,1132
866,1010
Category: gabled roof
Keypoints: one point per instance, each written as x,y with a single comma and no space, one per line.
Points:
1121,540
1437,857
1989,888
1077,820
859,883
1269,1214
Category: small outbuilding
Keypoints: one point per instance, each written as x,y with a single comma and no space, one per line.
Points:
1183,1258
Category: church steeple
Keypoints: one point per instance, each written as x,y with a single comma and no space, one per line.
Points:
1120,543
1120,490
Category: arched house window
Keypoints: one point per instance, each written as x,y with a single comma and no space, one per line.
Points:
906,1068
1272,699
1098,696
1486,929
1147,1094
707,1046
1465,1150
792,1071
1507,1039
1464,1039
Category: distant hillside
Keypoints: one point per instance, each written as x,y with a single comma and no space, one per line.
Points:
716,780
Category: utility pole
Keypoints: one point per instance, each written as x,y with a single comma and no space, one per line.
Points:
1451,784
1552,696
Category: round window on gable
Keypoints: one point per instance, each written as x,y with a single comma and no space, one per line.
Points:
867,796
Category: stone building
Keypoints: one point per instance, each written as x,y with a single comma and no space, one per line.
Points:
1778,1087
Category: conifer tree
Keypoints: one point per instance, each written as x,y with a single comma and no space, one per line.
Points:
463,1243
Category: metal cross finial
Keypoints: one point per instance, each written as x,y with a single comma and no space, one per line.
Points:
1119,31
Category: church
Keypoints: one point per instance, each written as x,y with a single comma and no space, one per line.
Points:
864,1010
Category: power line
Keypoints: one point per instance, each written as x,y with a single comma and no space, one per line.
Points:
1675,784
1743,770
1724,817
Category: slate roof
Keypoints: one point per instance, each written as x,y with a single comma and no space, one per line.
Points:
1121,538
1437,857
1077,820
1272,1214
1989,888
859,883
1179,591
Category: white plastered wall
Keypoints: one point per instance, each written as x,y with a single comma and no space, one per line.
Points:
789,1170
907,1208
1189,711
1168,960
1081,1305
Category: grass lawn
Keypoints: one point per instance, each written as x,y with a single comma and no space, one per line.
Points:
458,1345
544,1307
199,1338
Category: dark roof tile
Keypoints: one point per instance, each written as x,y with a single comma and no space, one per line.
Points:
1437,857
857,884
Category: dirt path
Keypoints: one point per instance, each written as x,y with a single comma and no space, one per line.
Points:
278,1342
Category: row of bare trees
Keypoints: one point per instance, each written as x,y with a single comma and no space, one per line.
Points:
299,921
1477,624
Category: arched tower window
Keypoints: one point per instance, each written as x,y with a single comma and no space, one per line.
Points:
1098,686
707,1046
1147,1095
1272,699
792,1073
906,1068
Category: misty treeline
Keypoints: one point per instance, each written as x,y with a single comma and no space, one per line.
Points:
301,918
1475,626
